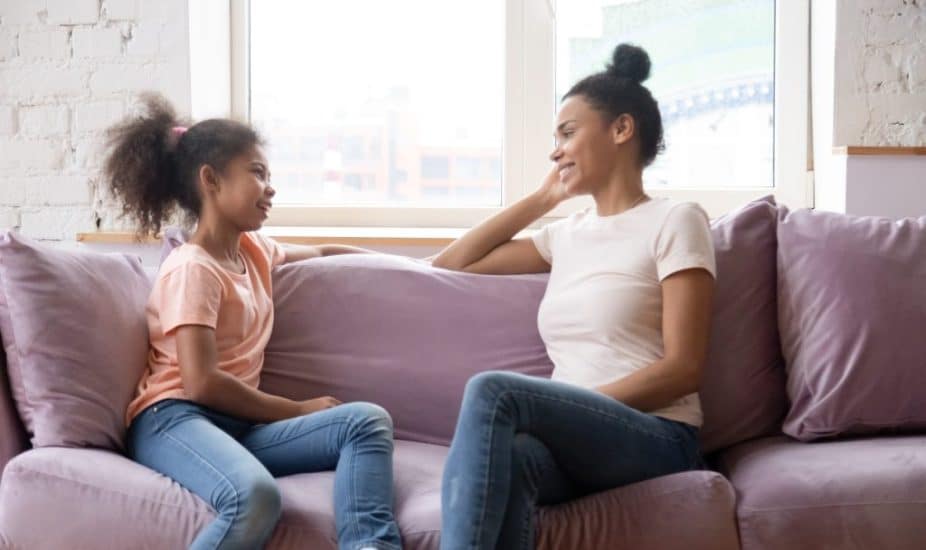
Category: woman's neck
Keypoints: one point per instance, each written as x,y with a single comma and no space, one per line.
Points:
623,191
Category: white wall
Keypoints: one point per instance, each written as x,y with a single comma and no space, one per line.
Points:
886,185
69,69
880,73
829,190
869,89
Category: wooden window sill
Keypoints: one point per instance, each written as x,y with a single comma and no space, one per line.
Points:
855,150
356,236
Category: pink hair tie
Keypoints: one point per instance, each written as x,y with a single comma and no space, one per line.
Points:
179,131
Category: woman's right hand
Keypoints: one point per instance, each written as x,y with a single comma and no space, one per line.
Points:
552,189
310,406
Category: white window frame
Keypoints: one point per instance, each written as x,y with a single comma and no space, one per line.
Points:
530,108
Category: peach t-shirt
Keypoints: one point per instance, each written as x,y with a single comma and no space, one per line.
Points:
192,288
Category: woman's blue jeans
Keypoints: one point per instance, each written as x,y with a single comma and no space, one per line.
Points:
523,441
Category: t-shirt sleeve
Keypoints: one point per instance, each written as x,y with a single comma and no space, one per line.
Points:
272,248
685,242
190,294
544,239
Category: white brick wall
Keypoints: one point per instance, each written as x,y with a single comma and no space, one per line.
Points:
116,10
145,39
68,70
98,42
9,217
880,96
72,12
51,222
7,120
94,116
7,43
31,156
46,44
44,120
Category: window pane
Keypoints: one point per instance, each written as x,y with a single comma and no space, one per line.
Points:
713,76
388,103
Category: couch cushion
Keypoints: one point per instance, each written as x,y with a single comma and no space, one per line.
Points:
743,389
73,326
90,499
13,438
399,333
686,511
852,312
853,494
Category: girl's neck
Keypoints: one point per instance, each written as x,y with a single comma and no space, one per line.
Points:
219,240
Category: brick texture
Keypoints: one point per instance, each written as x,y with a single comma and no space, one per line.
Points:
69,69
883,105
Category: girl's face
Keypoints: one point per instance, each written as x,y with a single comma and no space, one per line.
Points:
588,149
243,194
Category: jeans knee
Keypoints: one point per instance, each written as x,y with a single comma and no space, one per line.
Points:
483,382
486,385
526,450
261,504
369,421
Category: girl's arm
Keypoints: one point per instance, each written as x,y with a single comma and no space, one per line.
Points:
489,248
297,252
686,320
205,384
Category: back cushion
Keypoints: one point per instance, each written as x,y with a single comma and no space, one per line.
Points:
372,327
743,389
12,434
852,313
400,333
76,339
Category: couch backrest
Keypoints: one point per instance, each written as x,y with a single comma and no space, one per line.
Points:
13,438
399,333
743,388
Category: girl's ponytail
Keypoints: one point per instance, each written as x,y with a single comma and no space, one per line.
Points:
141,168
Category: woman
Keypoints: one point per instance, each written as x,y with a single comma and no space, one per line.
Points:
625,321
198,416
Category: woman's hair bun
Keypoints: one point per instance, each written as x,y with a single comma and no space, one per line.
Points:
630,62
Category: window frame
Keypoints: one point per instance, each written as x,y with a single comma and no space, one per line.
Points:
530,107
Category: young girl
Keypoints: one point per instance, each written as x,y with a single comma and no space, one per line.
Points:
625,320
198,416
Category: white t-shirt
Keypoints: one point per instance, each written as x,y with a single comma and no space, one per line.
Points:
601,316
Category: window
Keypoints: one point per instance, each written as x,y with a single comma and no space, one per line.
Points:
713,77
382,87
435,168
447,106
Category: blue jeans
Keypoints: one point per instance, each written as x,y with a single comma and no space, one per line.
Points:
230,463
523,441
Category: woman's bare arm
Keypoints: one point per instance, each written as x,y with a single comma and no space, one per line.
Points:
686,319
490,248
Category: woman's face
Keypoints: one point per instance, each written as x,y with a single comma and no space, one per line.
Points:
244,195
588,148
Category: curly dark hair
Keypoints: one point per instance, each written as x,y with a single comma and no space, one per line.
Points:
153,169
619,90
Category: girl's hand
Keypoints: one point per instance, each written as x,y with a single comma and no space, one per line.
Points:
310,406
